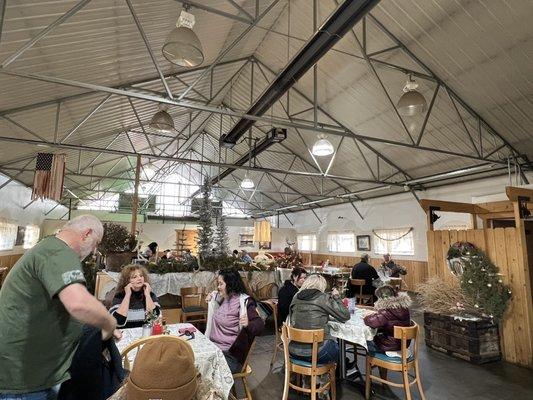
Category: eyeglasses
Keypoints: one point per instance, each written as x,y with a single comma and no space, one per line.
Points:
189,334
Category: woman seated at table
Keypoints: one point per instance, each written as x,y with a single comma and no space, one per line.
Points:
133,298
392,310
311,308
232,320
288,290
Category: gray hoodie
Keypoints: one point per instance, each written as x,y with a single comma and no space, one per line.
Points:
312,309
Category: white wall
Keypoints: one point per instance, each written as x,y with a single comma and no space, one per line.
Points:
13,197
394,212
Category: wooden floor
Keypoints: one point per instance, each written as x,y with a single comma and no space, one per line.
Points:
443,377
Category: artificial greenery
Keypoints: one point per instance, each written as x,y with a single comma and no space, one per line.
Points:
205,229
221,238
116,239
481,282
459,249
214,263
166,266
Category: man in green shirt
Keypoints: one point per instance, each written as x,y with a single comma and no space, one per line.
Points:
43,304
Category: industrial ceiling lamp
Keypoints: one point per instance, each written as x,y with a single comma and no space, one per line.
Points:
162,121
182,46
412,102
247,183
322,146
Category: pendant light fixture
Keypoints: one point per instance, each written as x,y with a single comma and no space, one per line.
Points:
412,102
162,121
248,183
182,46
322,146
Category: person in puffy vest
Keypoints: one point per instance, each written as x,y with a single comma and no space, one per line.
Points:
392,310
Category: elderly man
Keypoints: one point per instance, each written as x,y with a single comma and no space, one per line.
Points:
391,268
44,303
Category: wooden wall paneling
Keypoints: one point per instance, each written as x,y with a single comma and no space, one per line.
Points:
432,267
515,312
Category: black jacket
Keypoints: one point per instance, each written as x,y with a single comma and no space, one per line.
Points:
96,371
368,273
285,295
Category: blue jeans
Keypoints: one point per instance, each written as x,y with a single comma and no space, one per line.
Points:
48,394
328,353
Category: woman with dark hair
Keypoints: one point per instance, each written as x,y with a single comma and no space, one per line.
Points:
288,290
232,319
133,298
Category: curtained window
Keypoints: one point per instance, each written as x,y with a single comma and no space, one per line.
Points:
394,241
306,242
31,236
342,242
8,235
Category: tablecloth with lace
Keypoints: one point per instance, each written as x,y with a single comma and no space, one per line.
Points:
354,330
208,358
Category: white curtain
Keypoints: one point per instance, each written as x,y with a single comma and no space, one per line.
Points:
306,242
398,241
343,242
8,235
31,236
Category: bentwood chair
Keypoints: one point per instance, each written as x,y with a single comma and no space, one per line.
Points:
192,309
401,364
362,298
303,368
396,283
273,304
243,375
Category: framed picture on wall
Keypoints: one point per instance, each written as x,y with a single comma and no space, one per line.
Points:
21,231
363,242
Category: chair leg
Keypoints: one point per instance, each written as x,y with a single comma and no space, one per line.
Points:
246,389
419,382
286,385
275,349
332,384
368,372
406,386
313,387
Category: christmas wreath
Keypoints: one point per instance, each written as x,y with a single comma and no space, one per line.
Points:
457,254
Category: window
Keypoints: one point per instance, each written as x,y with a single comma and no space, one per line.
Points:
306,242
31,236
341,242
394,241
8,235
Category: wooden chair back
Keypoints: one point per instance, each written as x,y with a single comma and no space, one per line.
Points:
359,283
265,292
141,342
396,283
103,284
3,274
311,336
405,333
191,296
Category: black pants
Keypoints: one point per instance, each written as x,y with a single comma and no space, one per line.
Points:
233,364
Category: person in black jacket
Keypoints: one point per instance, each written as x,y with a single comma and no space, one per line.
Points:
364,270
288,290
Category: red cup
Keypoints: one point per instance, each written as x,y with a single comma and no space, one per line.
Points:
157,329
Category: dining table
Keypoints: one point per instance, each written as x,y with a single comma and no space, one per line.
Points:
352,331
208,358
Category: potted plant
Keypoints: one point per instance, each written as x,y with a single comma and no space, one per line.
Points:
117,246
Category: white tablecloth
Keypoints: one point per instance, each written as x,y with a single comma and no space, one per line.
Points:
354,330
174,281
208,358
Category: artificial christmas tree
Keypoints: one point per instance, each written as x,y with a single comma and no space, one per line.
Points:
205,229
222,240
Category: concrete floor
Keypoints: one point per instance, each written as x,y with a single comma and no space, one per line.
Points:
443,378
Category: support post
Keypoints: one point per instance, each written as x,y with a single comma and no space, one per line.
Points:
135,204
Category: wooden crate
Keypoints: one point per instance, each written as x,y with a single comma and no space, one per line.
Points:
475,341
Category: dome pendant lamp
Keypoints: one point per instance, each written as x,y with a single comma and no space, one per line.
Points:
322,147
162,121
182,46
412,102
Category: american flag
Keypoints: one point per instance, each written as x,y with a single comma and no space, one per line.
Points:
49,175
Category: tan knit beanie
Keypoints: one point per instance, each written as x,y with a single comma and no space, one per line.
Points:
163,370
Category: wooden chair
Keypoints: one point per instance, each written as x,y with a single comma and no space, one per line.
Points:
399,364
273,304
103,284
3,274
311,369
192,309
396,283
265,292
243,375
139,343
363,298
